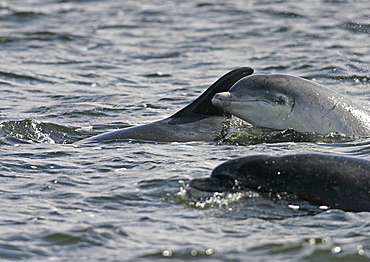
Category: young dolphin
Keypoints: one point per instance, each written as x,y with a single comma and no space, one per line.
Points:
199,121
334,181
289,102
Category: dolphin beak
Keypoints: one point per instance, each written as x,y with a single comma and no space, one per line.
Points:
221,99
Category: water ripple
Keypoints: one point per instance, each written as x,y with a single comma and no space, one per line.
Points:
72,69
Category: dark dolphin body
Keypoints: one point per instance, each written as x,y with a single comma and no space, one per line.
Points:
334,181
199,121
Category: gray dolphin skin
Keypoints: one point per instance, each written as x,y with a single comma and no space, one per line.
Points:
335,181
199,121
289,102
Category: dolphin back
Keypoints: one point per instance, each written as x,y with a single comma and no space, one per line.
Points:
334,181
199,121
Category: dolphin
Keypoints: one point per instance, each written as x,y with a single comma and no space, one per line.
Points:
199,121
288,102
334,181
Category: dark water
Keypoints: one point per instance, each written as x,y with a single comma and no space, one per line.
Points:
72,69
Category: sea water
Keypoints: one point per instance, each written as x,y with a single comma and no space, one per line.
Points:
72,69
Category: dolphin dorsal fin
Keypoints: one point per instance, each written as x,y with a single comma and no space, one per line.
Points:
203,105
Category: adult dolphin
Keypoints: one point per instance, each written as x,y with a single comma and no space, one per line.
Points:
334,181
290,102
199,121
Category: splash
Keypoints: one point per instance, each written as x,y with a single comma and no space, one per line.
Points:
39,132
221,200
245,134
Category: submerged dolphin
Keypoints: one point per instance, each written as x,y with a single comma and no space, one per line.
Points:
289,102
334,181
199,121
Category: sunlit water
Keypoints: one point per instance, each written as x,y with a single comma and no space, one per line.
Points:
73,69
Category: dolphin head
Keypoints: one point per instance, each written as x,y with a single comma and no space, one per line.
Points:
255,172
262,100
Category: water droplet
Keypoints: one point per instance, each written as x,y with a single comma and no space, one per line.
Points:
336,249
210,251
167,253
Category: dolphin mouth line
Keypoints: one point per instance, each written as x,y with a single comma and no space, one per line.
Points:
217,183
242,100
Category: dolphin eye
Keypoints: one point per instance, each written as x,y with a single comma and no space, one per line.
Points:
280,100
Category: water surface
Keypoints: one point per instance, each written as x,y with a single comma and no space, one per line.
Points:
73,69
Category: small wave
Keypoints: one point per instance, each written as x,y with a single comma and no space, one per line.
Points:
157,74
22,77
49,36
247,203
99,111
356,78
38,132
22,16
283,14
88,235
6,40
158,56
17,76
116,26
249,135
358,28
